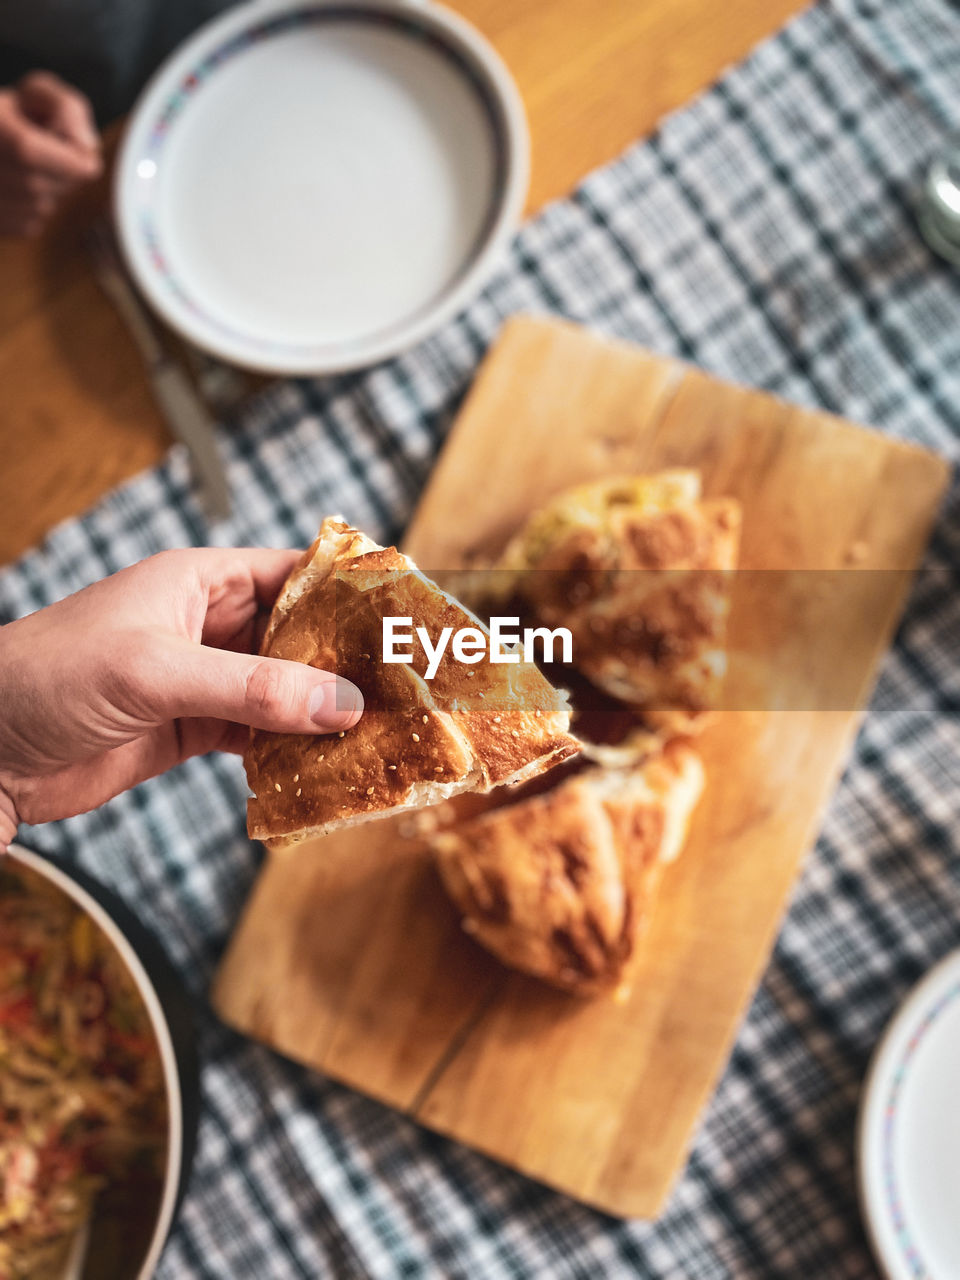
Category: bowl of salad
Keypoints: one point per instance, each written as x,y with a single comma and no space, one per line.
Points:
98,1080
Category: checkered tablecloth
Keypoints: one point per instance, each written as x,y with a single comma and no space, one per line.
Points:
766,232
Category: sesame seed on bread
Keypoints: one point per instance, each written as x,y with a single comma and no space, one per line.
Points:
418,741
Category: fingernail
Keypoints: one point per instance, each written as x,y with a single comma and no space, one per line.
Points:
336,704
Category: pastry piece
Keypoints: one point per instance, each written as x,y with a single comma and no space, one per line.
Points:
419,741
637,569
561,885
594,508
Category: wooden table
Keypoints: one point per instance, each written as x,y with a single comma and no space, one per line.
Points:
76,415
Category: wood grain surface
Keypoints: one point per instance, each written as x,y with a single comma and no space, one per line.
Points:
348,956
76,416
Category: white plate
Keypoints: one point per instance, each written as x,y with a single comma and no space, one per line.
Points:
909,1135
311,187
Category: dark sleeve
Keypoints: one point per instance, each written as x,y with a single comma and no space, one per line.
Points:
106,48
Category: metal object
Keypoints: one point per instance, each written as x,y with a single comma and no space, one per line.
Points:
223,386
77,1258
182,408
939,213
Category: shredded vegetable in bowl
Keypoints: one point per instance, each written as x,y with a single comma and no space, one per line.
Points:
82,1100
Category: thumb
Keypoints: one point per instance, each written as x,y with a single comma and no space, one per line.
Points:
267,693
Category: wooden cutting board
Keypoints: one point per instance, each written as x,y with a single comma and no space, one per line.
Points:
349,957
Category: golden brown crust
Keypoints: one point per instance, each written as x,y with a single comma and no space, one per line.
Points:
637,569
561,885
513,716
419,741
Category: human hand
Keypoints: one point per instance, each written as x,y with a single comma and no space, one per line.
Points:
48,145
155,664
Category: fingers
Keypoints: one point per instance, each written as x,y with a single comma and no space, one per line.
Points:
241,583
47,145
178,678
18,183
23,217
30,149
261,569
217,593
55,105
39,151
79,787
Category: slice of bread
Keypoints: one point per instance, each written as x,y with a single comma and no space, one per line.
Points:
419,741
638,569
560,885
